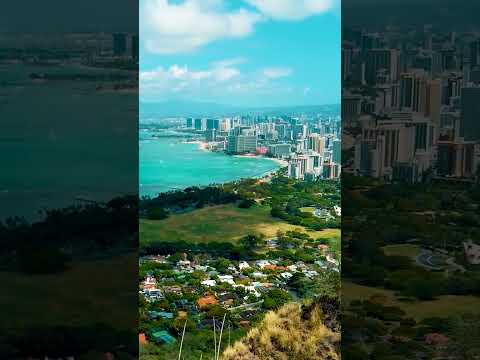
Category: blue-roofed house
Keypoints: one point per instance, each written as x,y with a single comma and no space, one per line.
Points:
160,314
163,336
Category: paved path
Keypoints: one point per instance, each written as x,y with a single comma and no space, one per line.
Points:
433,261
246,306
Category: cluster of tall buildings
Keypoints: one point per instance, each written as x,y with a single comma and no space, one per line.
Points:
125,45
411,103
309,144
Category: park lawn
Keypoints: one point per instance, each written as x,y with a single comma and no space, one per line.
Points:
308,209
407,250
221,223
443,306
95,284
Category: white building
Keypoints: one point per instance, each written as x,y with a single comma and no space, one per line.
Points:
243,265
209,283
226,279
472,252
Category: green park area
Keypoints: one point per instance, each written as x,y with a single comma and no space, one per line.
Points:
407,250
441,306
57,305
221,223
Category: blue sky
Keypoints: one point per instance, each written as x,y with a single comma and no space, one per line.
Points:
240,52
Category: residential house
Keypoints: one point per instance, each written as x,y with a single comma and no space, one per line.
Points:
174,289
163,336
209,283
286,275
262,263
243,265
226,279
149,283
206,301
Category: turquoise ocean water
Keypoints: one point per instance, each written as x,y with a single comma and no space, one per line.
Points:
63,140
170,163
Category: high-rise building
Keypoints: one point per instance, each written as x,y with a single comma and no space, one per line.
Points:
337,151
200,124
456,158
434,101
280,150
282,131
119,44
470,114
351,107
241,144
210,135
474,53
413,91
213,124
316,143
134,46
381,59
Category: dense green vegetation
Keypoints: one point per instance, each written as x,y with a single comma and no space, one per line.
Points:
284,196
396,239
216,228
71,263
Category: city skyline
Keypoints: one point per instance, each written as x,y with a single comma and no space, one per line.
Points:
236,61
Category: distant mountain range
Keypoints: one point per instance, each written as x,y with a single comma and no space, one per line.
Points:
191,108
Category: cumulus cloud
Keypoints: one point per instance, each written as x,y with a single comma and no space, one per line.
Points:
169,28
276,72
292,9
220,78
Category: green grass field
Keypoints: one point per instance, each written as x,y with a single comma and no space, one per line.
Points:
407,250
308,209
95,284
220,223
443,306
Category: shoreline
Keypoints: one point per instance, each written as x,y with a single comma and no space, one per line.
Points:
203,146
282,163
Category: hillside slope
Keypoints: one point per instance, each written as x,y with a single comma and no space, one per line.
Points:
293,332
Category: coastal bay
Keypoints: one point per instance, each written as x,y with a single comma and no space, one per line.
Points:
171,163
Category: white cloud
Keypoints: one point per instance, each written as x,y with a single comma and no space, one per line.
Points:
219,79
276,72
161,82
182,73
169,28
292,9
230,62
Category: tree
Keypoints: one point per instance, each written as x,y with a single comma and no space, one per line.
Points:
465,333
216,311
157,214
179,322
297,281
275,298
246,203
250,242
423,289
221,265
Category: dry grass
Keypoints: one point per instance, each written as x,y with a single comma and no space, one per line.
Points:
442,306
288,334
221,223
57,305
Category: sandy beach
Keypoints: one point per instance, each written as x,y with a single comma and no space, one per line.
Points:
282,163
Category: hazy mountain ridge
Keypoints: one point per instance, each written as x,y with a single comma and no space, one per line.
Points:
190,108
